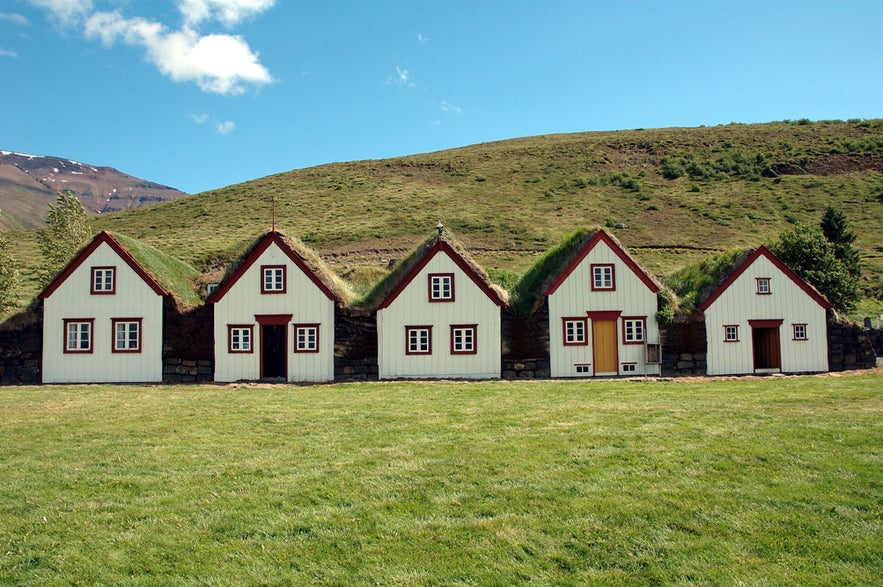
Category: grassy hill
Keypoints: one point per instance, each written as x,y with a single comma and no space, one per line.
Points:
677,194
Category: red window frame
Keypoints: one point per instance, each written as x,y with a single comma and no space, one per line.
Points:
601,266
264,269
769,286
735,327
113,281
440,276
230,329
300,327
584,321
114,322
473,328
642,320
415,328
78,350
794,328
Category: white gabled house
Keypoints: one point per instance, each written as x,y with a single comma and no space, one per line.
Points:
274,315
438,315
602,309
763,318
103,318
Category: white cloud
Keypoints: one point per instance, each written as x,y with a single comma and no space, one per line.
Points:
227,12
402,78
226,127
216,63
66,11
448,107
13,18
423,40
199,118
8,53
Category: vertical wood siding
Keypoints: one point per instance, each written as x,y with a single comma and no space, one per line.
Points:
787,302
302,299
72,299
411,307
575,297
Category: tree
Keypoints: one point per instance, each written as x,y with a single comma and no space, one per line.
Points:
835,229
66,233
813,257
9,282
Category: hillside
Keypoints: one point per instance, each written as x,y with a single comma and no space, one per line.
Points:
675,195
29,183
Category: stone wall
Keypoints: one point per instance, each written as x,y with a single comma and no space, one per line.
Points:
537,368
21,348
850,346
355,345
187,371
684,348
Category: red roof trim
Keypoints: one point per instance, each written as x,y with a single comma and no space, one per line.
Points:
763,251
442,246
102,237
267,240
601,235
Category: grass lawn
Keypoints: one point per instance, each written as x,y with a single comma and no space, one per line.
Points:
751,481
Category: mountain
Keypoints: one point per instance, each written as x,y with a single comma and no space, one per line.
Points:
29,183
672,196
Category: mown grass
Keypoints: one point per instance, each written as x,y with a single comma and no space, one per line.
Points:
748,481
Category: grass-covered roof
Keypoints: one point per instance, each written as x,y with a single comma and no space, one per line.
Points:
176,276
694,283
374,298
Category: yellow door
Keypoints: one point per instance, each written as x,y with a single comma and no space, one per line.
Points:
604,347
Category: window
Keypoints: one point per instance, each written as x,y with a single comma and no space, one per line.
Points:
763,286
126,335
633,330
441,287
799,331
306,338
603,278
103,280
629,368
239,338
418,340
731,333
78,335
210,289
575,331
272,279
463,339
585,368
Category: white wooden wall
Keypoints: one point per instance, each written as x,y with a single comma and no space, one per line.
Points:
575,297
302,299
72,299
411,307
788,302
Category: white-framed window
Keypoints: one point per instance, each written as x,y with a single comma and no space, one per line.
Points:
78,335
239,338
103,280
418,340
603,277
441,287
799,331
731,333
126,335
583,368
306,338
575,330
273,279
629,368
763,286
463,339
633,330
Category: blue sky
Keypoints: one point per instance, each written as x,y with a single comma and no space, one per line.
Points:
199,94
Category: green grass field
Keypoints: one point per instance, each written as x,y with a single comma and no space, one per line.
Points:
767,481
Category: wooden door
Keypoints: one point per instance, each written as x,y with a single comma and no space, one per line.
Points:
604,347
767,350
274,352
